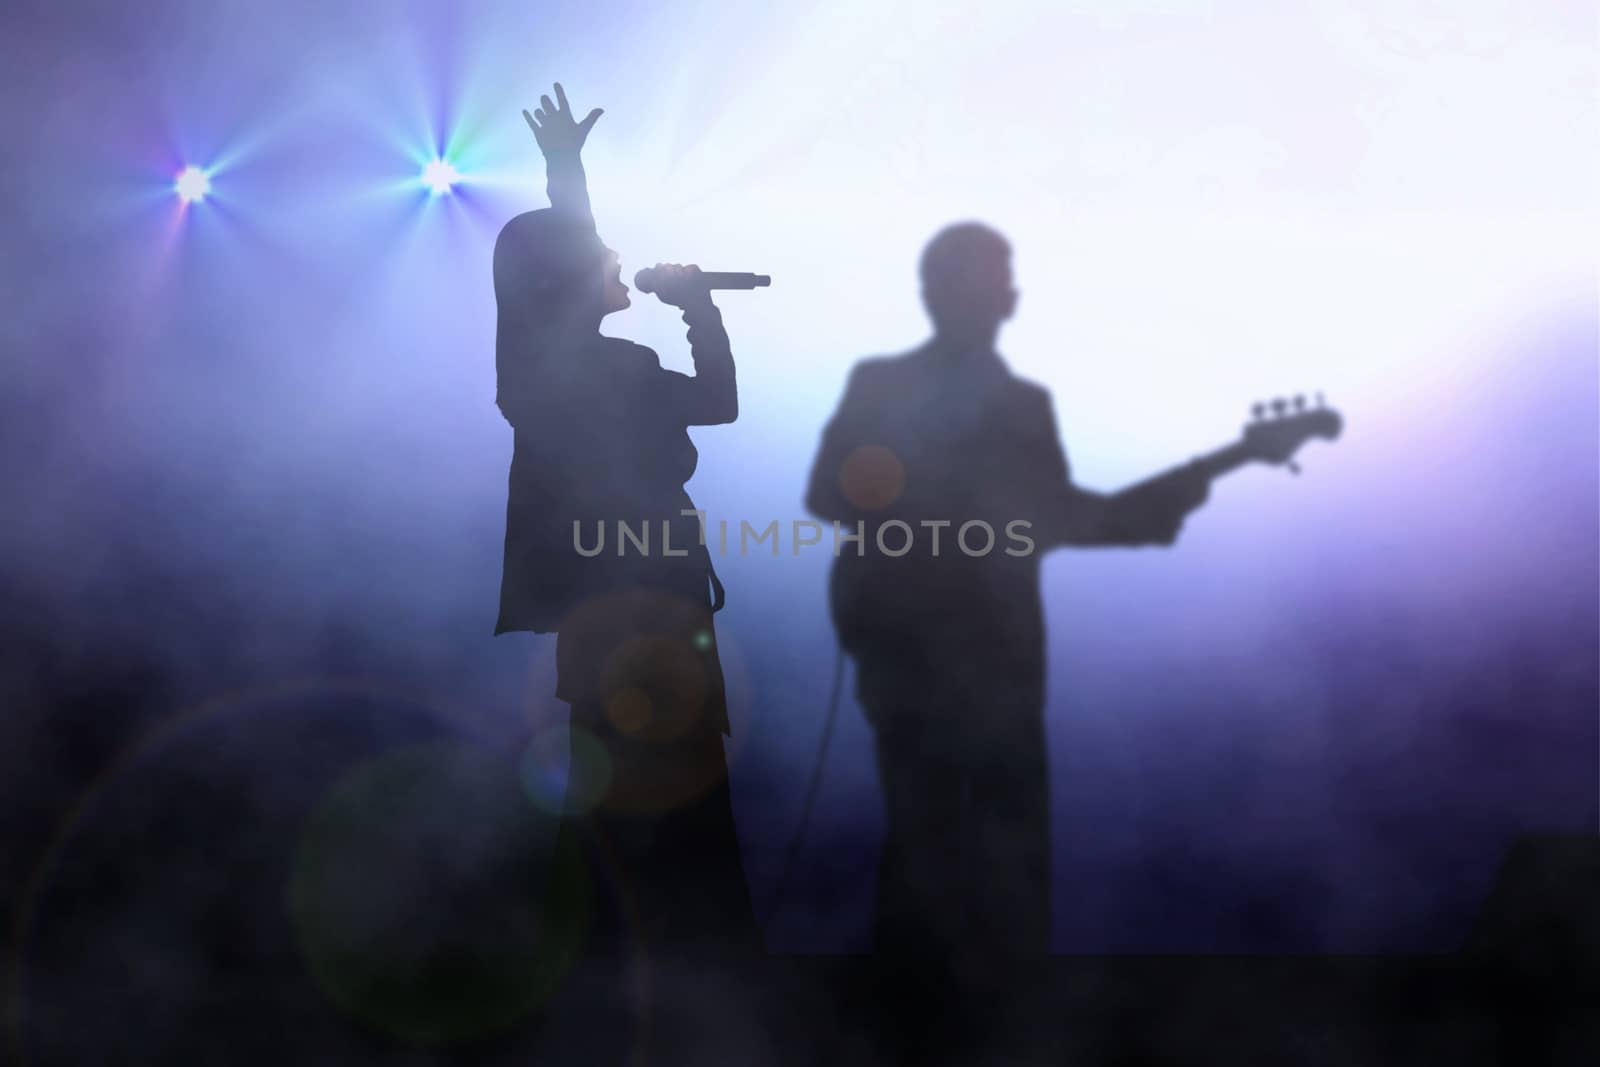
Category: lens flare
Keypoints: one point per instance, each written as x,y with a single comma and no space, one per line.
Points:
440,176
566,769
192,185
415,903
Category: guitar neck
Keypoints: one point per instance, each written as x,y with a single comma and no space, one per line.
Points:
1268,440
1225,459
1213,465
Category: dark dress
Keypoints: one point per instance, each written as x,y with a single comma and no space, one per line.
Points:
602,440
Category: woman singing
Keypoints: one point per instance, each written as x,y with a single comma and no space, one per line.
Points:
602,443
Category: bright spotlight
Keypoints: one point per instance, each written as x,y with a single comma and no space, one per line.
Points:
439,176
192,185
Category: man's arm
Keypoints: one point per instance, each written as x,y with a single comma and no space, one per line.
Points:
561,140
843,435
1153,512
1067,514
1149,514
1124,519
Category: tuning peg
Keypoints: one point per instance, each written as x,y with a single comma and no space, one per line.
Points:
1299,402
1258,409
1278,405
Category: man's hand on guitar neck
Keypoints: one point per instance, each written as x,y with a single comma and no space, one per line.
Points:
1153,512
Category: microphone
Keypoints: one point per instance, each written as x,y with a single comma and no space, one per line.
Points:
645,280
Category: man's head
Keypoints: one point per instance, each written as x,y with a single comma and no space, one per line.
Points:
966,284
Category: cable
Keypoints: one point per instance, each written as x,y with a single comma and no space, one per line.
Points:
831,716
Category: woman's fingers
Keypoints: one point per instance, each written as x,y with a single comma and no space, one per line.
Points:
532,125
559,113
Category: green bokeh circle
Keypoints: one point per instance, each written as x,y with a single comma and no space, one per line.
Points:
431,901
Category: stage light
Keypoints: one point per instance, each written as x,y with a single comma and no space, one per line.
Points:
439,175
192,185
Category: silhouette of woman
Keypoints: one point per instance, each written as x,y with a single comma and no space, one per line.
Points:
602,449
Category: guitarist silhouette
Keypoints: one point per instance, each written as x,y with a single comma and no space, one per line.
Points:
924,451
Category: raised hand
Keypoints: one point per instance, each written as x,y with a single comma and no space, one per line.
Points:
555,129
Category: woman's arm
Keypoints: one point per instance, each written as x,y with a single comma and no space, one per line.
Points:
711,396
561,140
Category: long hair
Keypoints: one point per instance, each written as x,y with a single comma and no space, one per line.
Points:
547,283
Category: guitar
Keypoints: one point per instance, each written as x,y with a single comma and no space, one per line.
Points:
1277,431
864,598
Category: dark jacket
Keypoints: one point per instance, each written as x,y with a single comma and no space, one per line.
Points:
924,438
601,440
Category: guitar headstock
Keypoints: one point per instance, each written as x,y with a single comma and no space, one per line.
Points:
1279,427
